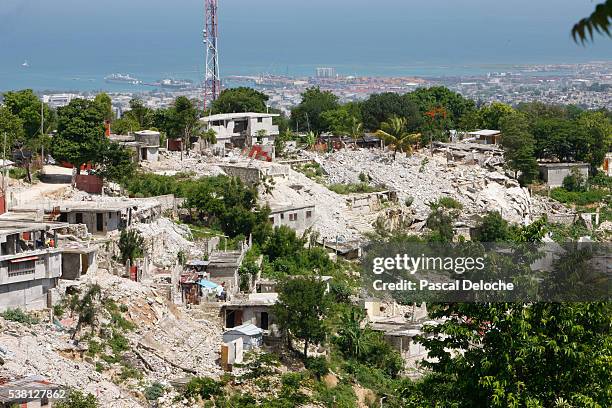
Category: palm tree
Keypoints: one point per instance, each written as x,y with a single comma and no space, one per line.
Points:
394,133
356,130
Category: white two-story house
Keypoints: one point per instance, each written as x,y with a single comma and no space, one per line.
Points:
242,129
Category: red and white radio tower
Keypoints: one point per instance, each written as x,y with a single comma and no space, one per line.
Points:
212,79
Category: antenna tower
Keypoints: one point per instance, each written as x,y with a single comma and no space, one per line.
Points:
212,79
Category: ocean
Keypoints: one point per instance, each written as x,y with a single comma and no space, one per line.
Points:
73,45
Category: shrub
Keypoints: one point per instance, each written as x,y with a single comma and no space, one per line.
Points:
19,316
578,197
449,203
354,188
128,371
118,343
341,396
317,365
574,181
18,173
204,387
409,200
93,348
131,246
76,399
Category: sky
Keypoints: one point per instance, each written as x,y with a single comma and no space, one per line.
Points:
87,37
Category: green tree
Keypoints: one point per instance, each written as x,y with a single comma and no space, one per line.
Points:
381,107
519,147
12,126
493,228
308,114
105,105
209,137
125,125
27,106
80,133
598,127
340,121
186,121
394,133
131,246
435,97
238,100
520,355
491,115
115,162
302,308
283,242
77,399
140,114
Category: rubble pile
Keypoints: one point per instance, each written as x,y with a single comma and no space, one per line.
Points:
164,239
170,163
427,178
166,345
44,350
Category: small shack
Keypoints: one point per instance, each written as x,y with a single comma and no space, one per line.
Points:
554,173
251,335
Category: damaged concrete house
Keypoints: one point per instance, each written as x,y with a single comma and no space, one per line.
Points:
242,129
30,263
143,144
101,216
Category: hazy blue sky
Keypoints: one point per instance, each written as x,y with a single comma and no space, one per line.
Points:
165,35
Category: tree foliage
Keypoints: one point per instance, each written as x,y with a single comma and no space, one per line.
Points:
80,133
598,21
394,133
131,245
307,116
519,146
515,354
241,99
302,308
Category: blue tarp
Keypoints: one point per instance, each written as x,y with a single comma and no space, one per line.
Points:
207,284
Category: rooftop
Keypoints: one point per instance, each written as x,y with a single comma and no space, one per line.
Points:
246,329
234,116
485,132
12,226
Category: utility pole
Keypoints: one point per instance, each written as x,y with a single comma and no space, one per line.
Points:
42,133
212,78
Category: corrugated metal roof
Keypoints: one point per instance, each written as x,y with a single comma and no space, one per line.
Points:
245,329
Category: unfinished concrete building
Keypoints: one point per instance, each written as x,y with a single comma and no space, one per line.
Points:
30,263
144,145
256,309
102,216
554,173
222,269
296,217
242,129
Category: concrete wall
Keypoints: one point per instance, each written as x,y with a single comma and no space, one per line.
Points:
553,175
28,295
152,153
110,220
148,137
249,175
252,315
75,265
48,265
297,219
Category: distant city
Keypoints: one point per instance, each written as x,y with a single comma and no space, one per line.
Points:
587,85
